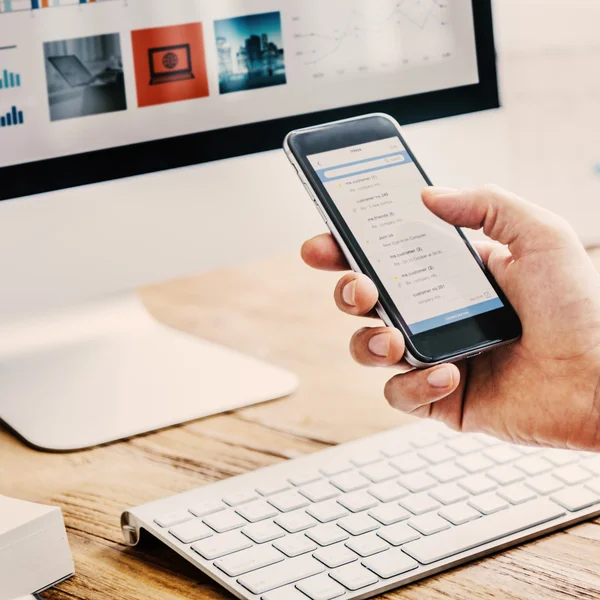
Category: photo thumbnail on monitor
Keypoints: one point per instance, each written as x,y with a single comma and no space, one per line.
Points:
84,76
170,64
250,52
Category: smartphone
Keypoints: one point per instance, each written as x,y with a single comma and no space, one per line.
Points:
366,183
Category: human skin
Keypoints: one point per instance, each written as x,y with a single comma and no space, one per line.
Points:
542,390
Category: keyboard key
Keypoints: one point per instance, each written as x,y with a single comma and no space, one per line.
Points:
295,545
594,486
379,472
488,504
303,478
367,545
572,474
459,513
221,545
449,494
296,521
173,518
533,465
486,440
560,458
428,550
241,497
478,484
261,533
249,560
576,498
327,511
592,465
429,524
517,493
474,463
386,492
398,534
325,535
446,472
321,587
276,487
527,450
409,463
336,467
203,509
319,491
358,524
419,504
257,511
388,514
288,501
290,571
437,454
284,593
464,444
350,482
544,484
390,564
450,434
395,448
502,454
224,521
358,501
417,482
366,458
506,475
354,576
191,531
426,439
335,556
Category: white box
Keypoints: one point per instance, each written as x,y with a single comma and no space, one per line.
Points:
34,551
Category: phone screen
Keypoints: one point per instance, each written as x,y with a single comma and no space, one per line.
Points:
425,265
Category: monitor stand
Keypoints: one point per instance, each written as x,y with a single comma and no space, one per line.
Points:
109,371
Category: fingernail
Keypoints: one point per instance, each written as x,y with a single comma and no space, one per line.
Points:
441,191
440,378
379,344
349,293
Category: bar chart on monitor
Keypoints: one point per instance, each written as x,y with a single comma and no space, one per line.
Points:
13,117
371,37
7,6
8,79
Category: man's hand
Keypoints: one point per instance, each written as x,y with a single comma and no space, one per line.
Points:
544,389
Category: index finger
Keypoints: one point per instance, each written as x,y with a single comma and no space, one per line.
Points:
323,253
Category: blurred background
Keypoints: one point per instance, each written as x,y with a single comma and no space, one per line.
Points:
549,127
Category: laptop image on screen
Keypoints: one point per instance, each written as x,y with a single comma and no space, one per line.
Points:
73,71
170,63
76,74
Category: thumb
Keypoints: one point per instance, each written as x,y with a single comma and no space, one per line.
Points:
504,217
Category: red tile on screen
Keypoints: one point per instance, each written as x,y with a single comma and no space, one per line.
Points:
170,64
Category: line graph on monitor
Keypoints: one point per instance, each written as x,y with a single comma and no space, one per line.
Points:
368,37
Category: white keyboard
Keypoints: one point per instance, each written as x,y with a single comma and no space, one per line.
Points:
362,518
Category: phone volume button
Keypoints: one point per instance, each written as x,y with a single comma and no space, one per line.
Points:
321,212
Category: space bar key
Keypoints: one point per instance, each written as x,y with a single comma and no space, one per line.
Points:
430,549
281,574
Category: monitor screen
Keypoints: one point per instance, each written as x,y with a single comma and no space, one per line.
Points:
104,89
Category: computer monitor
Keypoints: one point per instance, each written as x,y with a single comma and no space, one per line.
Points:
120,180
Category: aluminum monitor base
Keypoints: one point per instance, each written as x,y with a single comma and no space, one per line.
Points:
109,372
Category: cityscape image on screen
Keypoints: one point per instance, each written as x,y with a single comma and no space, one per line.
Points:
250,52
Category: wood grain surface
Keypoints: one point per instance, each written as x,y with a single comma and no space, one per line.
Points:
282,312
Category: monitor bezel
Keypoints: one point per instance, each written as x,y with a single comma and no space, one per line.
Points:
75,170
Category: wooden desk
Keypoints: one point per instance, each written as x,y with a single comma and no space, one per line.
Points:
280,311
